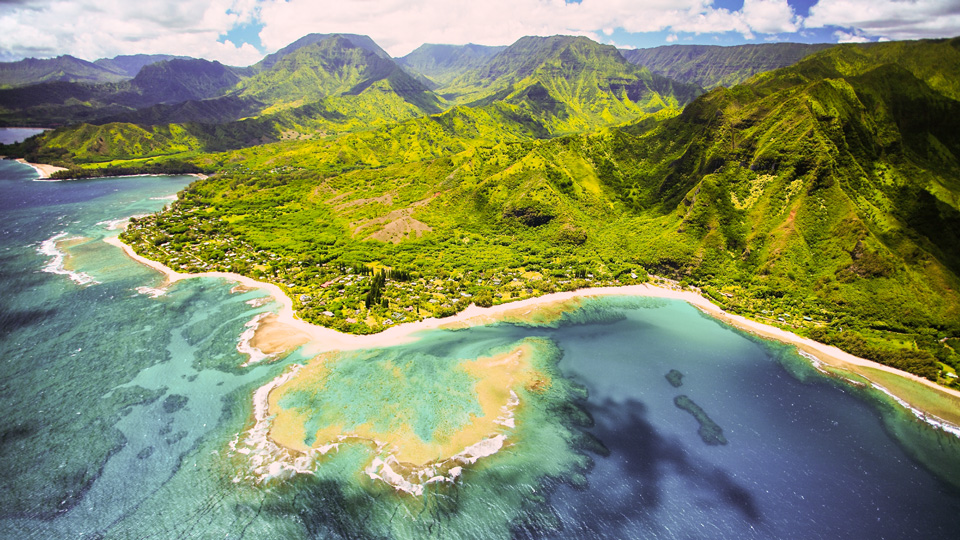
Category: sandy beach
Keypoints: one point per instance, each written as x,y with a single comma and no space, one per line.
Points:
937,403
45,171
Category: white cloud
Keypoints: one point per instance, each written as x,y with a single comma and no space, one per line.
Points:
97,28
894,19
92,29
848,37
399,26
769,16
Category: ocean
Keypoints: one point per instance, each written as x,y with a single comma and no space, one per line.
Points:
127,407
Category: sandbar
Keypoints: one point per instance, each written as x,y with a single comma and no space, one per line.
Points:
497,379
936,403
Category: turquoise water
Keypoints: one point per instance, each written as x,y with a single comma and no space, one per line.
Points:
120,409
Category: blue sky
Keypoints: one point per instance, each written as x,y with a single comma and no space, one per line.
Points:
240,32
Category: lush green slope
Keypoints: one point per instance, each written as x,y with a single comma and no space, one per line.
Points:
60,69
361,41
444,63
569,84
362,86
710,66
579,86
823,197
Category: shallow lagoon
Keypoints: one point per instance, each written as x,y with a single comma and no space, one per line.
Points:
121,408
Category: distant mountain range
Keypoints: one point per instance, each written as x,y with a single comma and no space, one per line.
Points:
711,65
65,90
69,69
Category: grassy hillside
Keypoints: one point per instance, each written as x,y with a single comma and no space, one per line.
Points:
329,87
568,84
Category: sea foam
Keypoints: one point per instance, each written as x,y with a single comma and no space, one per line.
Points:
268,460
49,248
244,346
934,421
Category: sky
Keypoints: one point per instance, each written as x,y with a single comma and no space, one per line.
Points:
241,32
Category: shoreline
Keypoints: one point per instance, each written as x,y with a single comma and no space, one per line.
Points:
45,171
326,339
42,169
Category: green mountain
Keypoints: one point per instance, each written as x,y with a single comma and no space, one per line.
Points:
179,80
333,67
444,63
131,64
710,66
60,69
332,86
357,40
568,84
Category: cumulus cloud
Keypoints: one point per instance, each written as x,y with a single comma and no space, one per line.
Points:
770,16
849,37
399,26
92,29
97,28
892,19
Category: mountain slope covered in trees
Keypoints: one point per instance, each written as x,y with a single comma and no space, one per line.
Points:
710,66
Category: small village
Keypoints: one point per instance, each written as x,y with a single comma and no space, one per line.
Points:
337,295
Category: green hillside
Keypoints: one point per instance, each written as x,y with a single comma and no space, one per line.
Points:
710,66
568,84
329,87
361,41
353,81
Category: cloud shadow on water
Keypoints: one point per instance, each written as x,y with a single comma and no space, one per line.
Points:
645,465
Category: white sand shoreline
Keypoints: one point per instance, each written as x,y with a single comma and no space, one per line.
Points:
327,339
44,170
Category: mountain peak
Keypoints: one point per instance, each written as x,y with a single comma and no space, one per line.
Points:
357,40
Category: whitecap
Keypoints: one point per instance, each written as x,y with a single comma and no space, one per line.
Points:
151,291
244,346
49,248
116,224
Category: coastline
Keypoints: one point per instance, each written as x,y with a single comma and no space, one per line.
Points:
44,170
326,339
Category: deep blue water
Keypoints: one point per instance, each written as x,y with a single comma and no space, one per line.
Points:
15,135
120,407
